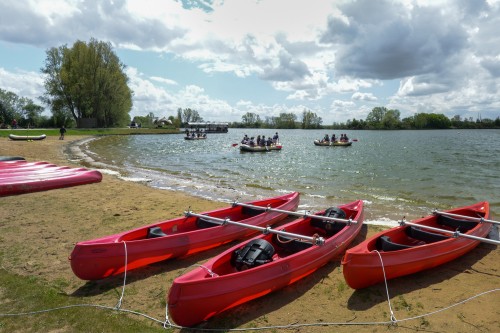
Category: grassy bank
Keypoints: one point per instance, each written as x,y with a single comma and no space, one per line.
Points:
89,131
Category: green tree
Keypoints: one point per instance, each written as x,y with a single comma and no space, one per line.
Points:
23,109
390,120
375,117
87,81
311,120
190,116
286,120
251,119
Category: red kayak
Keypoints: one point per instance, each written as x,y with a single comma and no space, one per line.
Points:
409,249
102,257
262,265
18,177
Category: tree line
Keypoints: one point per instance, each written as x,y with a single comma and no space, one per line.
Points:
380,118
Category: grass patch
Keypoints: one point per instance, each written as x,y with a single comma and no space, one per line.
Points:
89,131
21,294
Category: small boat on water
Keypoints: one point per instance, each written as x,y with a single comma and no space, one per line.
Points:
255,148
19,176
26,137
334,143
102,257
412,247
263,264
189,137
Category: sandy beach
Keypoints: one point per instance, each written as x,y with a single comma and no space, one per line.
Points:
38,232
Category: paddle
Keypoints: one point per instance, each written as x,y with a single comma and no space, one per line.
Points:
320,217
454,233
477,219
234,145
315,240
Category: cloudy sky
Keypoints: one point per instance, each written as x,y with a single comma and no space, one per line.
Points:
339,59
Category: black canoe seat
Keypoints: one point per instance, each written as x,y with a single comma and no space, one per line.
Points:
424,235
330,227
203,223
155,232
385,243
461,225
251,211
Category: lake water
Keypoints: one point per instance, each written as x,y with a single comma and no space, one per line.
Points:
396,173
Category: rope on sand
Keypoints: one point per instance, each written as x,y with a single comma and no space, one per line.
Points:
167,324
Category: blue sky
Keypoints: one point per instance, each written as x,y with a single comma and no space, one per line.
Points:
339,59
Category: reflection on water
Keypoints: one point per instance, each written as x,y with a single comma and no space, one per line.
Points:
397,173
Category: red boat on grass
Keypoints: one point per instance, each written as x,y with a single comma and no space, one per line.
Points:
415,246
18,177
102,257
263,264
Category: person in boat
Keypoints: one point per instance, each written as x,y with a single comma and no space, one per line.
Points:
258,140
269,141
334,138
326,138
251,142
263,141
276,138
245,140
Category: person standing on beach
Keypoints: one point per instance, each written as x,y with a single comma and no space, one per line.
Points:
62,130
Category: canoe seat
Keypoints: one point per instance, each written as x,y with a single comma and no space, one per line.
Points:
155,232
330,227
461,225
255,253
251,211
385,243
424,235
202,223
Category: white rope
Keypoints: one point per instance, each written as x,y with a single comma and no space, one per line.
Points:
119,304
393,318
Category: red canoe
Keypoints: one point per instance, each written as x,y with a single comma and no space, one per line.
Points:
232,278
18,177
408,249
103,257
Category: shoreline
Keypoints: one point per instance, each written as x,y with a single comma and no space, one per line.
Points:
52,221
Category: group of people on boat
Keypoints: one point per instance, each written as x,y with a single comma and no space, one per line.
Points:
261,140
343,138
196,133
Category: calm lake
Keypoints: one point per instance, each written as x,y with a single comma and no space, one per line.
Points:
396,173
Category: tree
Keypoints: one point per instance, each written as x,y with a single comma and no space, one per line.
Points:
311,120
190,116
23,109
374,118
390,120
286,120
87,81
251,119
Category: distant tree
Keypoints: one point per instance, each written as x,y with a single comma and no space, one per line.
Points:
375,117
251,119
286,120
87,81
310,120
190,116
23,109
390,120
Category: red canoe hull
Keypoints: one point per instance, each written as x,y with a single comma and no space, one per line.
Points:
18,177
103,257
196,296
362,265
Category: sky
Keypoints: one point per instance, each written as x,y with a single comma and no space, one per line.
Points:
338,59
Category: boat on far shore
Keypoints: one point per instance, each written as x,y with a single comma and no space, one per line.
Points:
26,137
